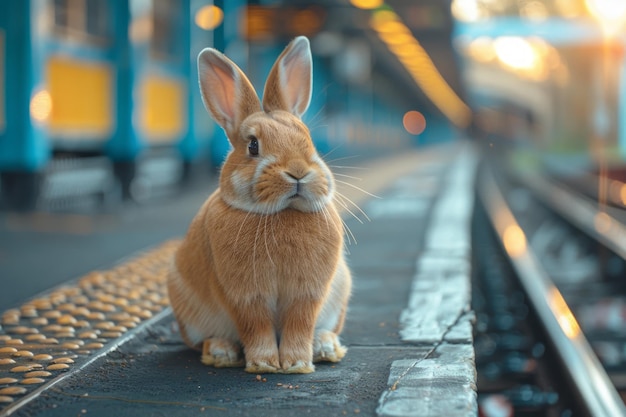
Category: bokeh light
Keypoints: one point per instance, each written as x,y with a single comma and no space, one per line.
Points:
367,4
41,106
414,122
607,11
514,241
209,17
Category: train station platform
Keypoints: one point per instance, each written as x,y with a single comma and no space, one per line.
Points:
107,344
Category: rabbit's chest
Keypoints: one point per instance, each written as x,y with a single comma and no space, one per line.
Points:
285,247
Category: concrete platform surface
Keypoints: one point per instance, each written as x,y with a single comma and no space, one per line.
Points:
408,331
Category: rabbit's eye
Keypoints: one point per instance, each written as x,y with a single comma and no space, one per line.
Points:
253,146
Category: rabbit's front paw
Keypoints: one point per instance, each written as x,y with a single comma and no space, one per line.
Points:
326,347
261,367
221,353
297,367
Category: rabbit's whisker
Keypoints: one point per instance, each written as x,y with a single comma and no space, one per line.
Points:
357,188
344,199
346,208
349,234
348,176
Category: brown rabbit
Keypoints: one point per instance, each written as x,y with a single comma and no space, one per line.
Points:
262,265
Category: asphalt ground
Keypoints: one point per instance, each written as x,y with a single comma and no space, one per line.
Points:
149,371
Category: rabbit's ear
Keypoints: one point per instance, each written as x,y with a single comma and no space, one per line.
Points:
289,84
226,91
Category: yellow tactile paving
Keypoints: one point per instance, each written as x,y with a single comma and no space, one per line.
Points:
47,335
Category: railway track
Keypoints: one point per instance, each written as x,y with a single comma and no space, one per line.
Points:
550,298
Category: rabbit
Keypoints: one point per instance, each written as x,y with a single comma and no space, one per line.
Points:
260,280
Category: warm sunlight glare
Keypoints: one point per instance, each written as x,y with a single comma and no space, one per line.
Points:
367,4
514,240
41,106
564,315
515,52
209,17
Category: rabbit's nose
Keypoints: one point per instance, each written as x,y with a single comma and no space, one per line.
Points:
297,170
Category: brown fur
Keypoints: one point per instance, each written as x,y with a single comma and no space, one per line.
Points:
262,264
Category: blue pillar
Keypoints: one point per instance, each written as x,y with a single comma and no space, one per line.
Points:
124,145
188,146
24,146
224,35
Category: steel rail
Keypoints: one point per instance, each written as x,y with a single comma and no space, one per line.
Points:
589,377
580,210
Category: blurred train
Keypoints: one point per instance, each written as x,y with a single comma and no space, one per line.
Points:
99,99
548,78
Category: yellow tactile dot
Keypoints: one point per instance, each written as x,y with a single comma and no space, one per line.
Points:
81,324
129,324
91,334
32,381
52,314
80,311
104,325
23,354
111,335
7,361
57,367
66,307
70,346
14,342
11,312
63,360
94,345
72,291
67,329
6,381
35,337
80,299
37,374
26,368
42,357
58,298
64,335
118,328
8,320
12,391
49,341
42,304
22,330
29,312
4,337
52,328
120,316
39,321
6,399
121,302
145,314
8,349
108,308
66,319
106,298
134,309
96,315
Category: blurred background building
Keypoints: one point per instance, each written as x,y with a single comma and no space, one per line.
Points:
99,100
